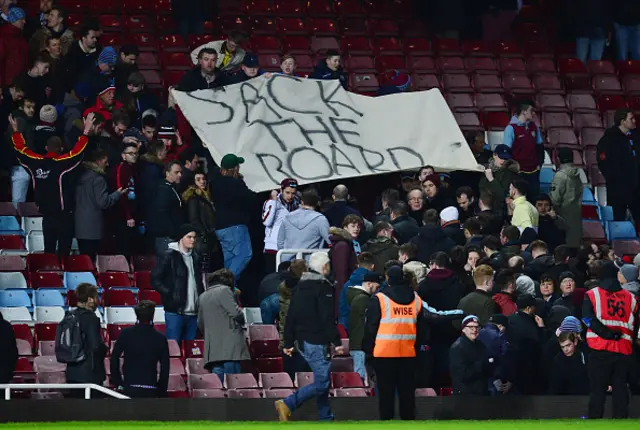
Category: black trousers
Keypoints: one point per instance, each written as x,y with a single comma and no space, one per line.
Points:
620,205
125,239
57,229
89,247
140,393
608,368
396,375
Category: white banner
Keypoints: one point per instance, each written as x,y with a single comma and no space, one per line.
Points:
316,131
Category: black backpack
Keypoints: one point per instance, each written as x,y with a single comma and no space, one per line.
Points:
70,340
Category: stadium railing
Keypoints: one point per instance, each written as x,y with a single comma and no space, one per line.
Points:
299,253
86,387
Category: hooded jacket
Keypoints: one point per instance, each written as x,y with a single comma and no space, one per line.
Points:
286,290
526,339
76,62
102,109
539,266
442,290
454,231
193,81
431,239
499,187
566,195
358,300
219,45
202,215
343,257
92,199
383,250
619,165
478,303
633,287
303,229
273,213
151,170
406,228
166,213
344,308
171,276
323,72
337,212
505,303
469,367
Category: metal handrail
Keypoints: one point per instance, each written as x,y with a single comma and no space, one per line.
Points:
298,253
87,389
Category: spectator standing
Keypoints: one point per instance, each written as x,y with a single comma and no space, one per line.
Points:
268,293
435,197
566,195
524,213
230,53
127,65
82,55
525,140
548,293
8,351
388,198
467,205
204,75
542,262
45,129
288,65
449,221
91,369
151,168
626,19
167,215
502,170
480,302
591,22
383,247
552,228
11,95
611,315
144,349
617,160
189,160
416,202
54,28
344,250
304,228
358,298
57,213
470,366
14,49
505,283
38,21
92,199
366,266
405,227
628,278
310,322
178,279
567,288
38,81
202,215
340,208
125,214
234,201
250,69
569,375
137,98
525,336
329,68
274,210
493,336
430,238
221,321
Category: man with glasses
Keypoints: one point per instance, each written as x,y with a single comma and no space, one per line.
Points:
470,367
125,175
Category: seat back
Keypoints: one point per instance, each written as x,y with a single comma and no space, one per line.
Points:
14,298
12,280
240,380
49,314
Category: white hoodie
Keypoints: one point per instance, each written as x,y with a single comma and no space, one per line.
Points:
273,212
191,303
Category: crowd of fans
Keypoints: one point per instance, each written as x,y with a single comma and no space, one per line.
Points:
106,160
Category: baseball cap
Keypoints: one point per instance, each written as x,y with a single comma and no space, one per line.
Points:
503,152
289,182
231,161
250,60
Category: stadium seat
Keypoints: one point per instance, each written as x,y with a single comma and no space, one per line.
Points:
154,296
584,120
24,347
425,81
593,231
51,378
359,63
114,330
274,380
590,212
47,348
346,380
552,103
517,83
510,65
425,392
264,44
45,297
278,393
12,263
572,66
356,45
620,230
172,43
112,263
563,137
581,102
391,62
13,242
487,84
195,366
342,364
264,339
363,82
114,280
12,280
451,64
626,247
350,392
541,65
259,7
288,8
495,120
45,331
422,64
48,363
175,366
45,280
35,242
239,381
23,331
30,224
72,280
243,394
174,61
49,314
607,84
468,120
158,318
43,263
192,348
488,102
447,47
354,27
387,46
302,379
295,44
269,365
477,48
320,27
142,280
417,46
457,83
176,384
208,394
204,382
556,119
461,102
631,84
7,209
114,297
9,225
601,67
78,263
548,84
606,213
14,299
120,315
611,102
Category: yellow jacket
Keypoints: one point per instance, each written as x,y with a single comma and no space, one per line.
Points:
524,214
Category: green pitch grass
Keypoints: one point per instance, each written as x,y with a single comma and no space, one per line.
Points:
368,425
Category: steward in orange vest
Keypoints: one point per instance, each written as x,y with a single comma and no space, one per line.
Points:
395,321
611,315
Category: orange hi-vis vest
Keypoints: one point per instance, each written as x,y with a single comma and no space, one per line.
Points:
616,311
396,336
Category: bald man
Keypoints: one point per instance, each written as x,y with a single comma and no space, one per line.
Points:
340,209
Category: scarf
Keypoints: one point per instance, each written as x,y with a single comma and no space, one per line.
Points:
293,205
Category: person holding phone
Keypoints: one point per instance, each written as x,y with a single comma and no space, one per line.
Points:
92,199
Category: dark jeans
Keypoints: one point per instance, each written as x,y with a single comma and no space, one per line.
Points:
180,327
226,367
315,356
270,308
608,368
533,185
89,247
57,229
396,375
125,239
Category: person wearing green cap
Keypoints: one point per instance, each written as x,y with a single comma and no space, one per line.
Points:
234,202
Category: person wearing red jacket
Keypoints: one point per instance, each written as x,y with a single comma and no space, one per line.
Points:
14,49
54,182
106,102
504,299
124,214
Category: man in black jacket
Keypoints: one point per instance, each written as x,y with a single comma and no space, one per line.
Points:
470,367
167,215
91,370
618,162
340,207
431,238
143,348
234,202
204,75
542,261
54,182
178,279
8,351
82,55
311,327
404,226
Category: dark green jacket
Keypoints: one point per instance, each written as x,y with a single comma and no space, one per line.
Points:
383,250
358,299
499,187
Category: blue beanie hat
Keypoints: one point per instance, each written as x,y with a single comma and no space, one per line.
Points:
570,324
15,14
83,90
108,56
